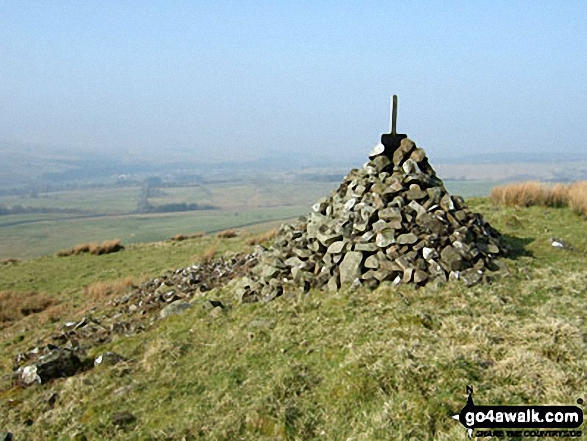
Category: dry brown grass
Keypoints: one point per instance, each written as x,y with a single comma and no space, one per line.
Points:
526,194
9,261
106,247
262,238
209,254
16,305
85,248
226,234
577,197
180,237
98,292
523,194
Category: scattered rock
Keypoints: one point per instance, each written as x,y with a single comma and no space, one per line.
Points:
108,359
58,363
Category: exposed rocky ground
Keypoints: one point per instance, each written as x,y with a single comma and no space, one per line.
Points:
63,353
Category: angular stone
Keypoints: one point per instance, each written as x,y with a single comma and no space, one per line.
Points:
377,150
431,223
293,261
371,262
332,284
348,206
471,276
418,155
415,193
368,247
269,272
359,190
447,203
174,308
108,359
327,239
493,249
390,214
29,376
380,226
389,266
381,163
451,258
420,276
408,274
417,207
336,247
350,267
58,363
429,253
384,239
405,148
407,239
435,194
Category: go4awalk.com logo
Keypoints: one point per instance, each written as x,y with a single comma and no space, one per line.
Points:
520,421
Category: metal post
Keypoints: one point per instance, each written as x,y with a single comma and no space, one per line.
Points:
393,115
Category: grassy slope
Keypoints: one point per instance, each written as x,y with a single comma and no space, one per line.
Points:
387,364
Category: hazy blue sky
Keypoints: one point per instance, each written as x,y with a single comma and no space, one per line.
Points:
234,79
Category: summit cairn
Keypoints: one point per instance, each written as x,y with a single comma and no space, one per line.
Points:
392,220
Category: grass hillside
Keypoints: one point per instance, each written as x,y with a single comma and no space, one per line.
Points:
392,363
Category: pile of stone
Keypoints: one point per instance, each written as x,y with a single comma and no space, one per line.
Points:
392,220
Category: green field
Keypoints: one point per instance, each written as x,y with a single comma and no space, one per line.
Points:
109,212
392,363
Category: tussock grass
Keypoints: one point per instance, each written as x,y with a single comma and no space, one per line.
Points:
577,197
528,194
209,254
16,305
263,237
100,292
106,247
180,237
9,261
226,234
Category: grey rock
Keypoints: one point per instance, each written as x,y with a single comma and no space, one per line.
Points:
108,359
377,150
407,239
174,308
336,247
471,276
429,253
371,262
123,418
367,247
350,267
384,239
451,258
58,363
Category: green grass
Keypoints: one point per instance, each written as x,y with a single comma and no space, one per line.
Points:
35,239
101,200
363,365
33,235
